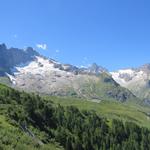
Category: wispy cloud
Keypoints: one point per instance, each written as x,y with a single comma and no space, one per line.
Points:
57,51
41,46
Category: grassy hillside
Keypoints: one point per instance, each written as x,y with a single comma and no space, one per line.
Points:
13,137
5,80
28,121
129,111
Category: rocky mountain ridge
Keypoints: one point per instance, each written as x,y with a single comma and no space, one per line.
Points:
14,56
28,70
136,80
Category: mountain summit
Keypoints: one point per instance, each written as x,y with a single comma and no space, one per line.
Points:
28,70
136,79
14,56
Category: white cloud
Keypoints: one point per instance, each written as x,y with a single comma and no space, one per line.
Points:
57,51
41,46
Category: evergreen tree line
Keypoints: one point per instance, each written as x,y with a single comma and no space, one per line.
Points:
72,128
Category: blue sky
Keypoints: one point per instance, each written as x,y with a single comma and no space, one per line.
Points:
112,33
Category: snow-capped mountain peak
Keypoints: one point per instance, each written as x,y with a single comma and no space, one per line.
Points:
127,75
137,80
29,71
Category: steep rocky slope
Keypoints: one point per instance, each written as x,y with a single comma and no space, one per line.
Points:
137,80
13,56
29,71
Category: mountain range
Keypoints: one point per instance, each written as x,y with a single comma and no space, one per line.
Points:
28,70
60,106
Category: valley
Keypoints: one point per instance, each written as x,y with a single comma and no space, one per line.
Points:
66,123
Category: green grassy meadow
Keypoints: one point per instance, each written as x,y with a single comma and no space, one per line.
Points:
109,109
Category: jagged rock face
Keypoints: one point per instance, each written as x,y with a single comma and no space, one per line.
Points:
145,68
137,80
94,69
49,77
13,56
29,71
147,102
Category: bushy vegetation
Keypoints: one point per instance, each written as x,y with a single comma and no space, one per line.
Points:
74,129
129,111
